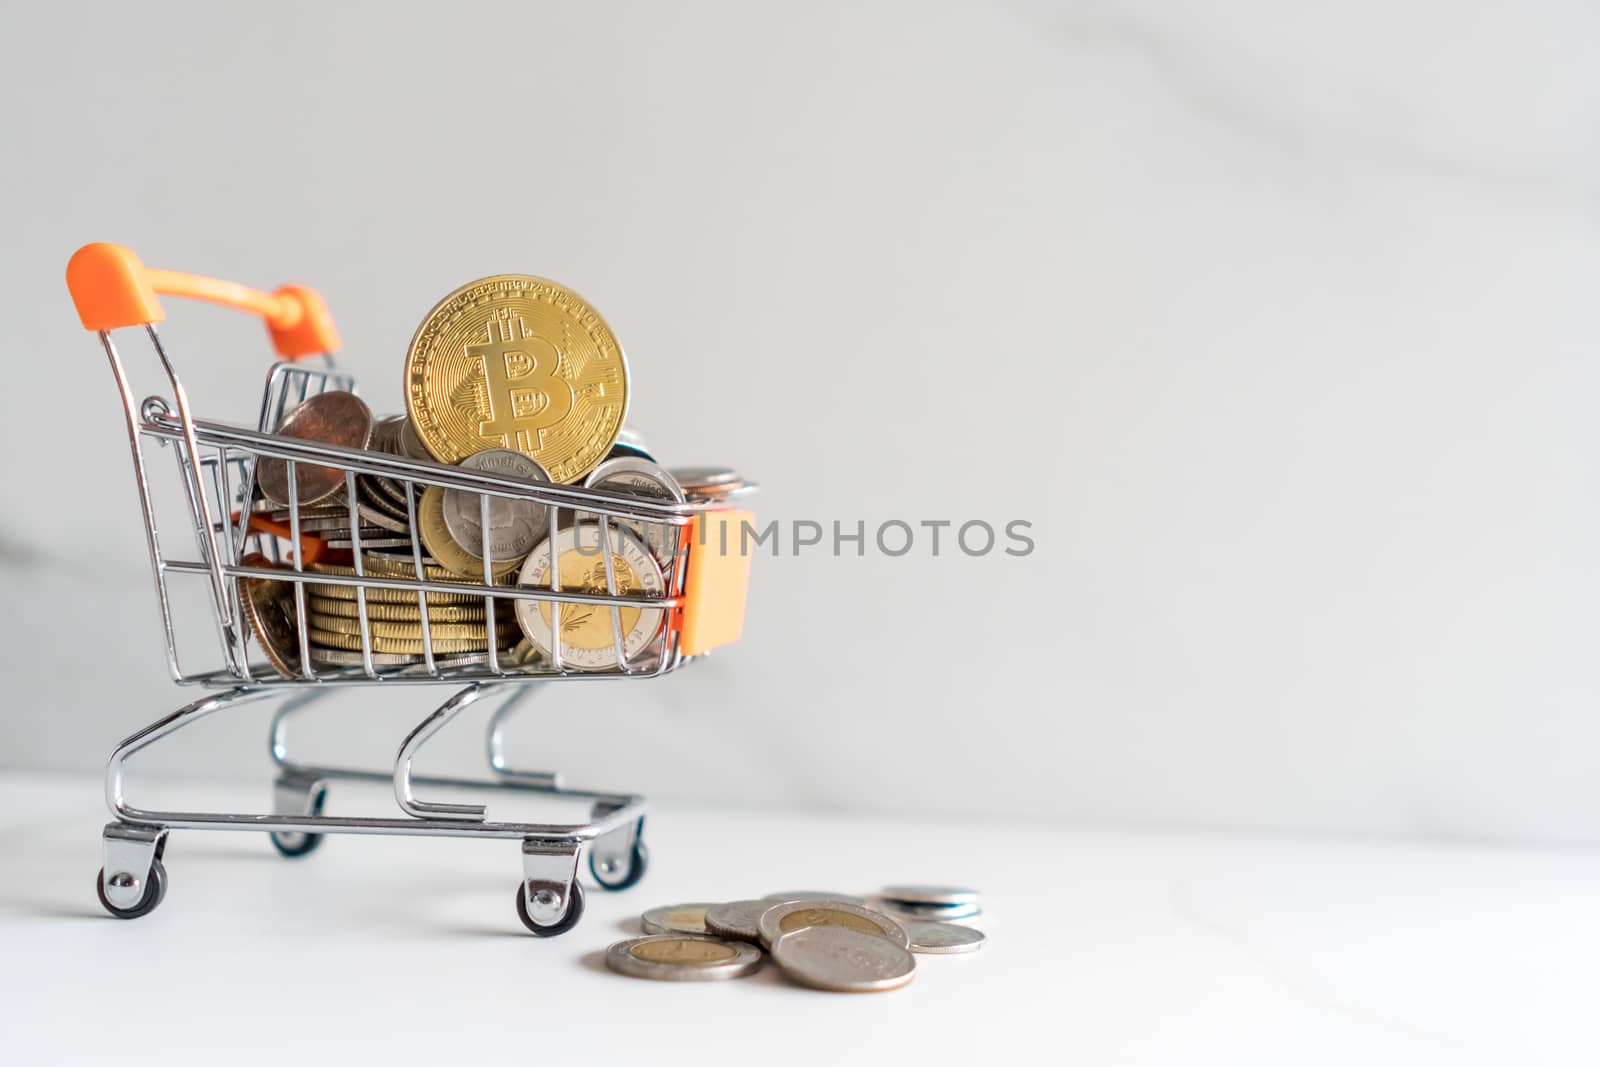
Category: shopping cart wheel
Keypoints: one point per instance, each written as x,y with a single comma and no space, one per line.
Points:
155,891
568,919
293,844
638,860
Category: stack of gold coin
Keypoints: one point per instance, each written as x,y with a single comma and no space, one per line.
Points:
458,624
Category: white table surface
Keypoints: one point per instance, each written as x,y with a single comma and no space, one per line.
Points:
1106,946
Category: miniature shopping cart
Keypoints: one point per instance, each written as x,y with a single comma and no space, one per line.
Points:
702,602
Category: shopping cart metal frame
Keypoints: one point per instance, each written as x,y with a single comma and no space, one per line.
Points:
702,607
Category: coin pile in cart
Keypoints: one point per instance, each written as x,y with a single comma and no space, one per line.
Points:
513,376
829,941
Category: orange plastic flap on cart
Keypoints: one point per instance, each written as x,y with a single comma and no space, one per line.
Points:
717,580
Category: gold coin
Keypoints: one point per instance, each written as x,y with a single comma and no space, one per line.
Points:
412,631
382,567
513,361
349,609
390,596
589,633
352,643
684,950
824,916
442,547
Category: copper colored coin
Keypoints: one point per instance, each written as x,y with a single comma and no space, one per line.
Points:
332,418
269,607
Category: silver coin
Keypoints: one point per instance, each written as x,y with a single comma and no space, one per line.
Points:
339,657
947,895
842,960
338,511
782,919
515,526
385,434
630,442
682,958
321,524
386,438
675,919
935,912
814,894
705,477
335,418
383,540
641,477
370,502
410,445
737,920
711,483
941,938
965,918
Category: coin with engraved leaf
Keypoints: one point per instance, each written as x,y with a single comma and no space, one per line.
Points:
591,633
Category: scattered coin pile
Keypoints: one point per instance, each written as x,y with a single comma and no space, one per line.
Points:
513,376
829,941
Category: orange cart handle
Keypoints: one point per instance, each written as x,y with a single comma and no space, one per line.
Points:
112,289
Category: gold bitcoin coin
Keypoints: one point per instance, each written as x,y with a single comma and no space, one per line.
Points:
348,609
442,547
413,646
513,361
412,631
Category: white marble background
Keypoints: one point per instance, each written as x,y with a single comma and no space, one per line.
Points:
1275,320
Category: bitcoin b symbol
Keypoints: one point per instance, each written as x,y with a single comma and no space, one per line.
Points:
525,396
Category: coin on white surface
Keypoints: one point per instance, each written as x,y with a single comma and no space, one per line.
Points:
682,958
738,920
842,960
675,919
814,894
941,939
782,919
934,912
940,895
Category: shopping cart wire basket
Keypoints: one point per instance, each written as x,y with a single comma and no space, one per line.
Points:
701,605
